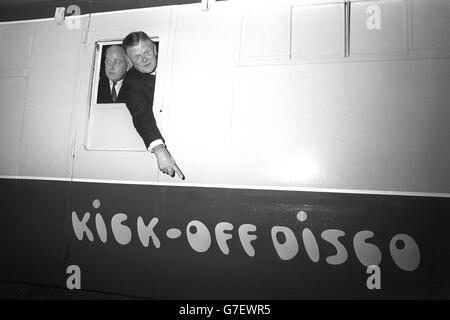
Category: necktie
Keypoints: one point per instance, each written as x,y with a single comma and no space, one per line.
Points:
113,92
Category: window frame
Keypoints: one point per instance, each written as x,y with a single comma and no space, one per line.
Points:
96,68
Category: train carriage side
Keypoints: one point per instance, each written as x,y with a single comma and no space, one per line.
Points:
313,136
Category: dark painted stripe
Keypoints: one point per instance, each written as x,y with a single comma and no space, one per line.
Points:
33,235
46,9
33,230
30,291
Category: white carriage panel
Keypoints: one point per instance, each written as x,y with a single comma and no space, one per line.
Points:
199,100
15,47
401,125
12,104
46,145
318,31
111,128
295,126
431,24
266,33
284,130
130,20
115,165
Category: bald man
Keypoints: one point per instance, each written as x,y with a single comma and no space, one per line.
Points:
116,67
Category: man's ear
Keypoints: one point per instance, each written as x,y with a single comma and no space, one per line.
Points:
129,63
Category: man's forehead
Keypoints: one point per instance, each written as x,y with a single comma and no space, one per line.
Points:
116,52
143,44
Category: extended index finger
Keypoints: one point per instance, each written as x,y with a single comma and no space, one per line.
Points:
178,171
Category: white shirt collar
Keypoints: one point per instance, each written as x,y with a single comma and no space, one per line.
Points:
118,85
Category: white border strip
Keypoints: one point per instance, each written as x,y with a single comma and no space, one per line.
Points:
43,19
26,21
230,186
34,178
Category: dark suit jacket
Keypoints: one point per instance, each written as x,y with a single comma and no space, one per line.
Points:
104,92
139,88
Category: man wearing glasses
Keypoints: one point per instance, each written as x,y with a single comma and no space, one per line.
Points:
140,86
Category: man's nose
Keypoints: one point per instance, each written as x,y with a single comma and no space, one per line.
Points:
145,60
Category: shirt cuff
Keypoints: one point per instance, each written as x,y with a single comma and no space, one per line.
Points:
155,143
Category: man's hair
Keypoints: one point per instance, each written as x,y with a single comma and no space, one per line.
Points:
134,38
